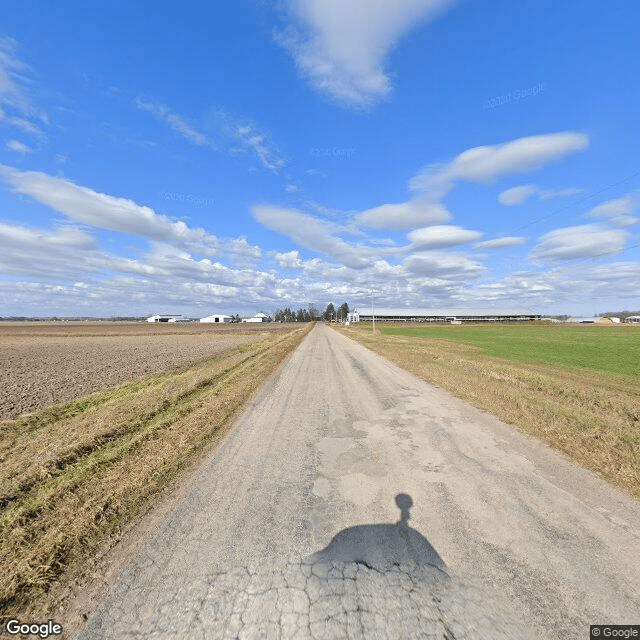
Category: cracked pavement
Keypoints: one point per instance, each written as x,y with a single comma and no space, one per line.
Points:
352,500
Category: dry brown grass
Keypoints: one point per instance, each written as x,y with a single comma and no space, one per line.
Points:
592,417
72,475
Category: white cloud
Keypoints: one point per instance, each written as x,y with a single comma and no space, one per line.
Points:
246,135
501,243
12,77
517,195
414,213
14,91
100,210
289,260
551,194
444,265
250,138
585,241
18,147
311,233
176,122
486,164
477,165
441,236
342,46
46,254
618,211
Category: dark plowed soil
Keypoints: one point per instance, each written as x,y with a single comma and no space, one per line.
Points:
42,364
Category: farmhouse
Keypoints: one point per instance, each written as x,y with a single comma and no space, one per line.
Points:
259,317
633,319
167,317
217,318
444,315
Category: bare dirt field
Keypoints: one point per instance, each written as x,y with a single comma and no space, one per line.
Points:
46,363
73,474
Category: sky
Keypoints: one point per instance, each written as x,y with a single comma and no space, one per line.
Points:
199,158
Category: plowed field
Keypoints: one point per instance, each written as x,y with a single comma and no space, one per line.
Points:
47,363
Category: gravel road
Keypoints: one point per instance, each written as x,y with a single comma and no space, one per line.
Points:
353,500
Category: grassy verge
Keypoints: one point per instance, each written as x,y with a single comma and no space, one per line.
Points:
547,385
72,475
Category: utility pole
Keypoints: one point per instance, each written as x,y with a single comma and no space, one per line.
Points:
373,316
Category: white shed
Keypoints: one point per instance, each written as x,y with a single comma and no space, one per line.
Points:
166,317
259,317
217,318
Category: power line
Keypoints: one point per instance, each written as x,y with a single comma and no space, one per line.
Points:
574,203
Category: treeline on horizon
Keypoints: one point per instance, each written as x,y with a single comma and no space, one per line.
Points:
310,314
281,315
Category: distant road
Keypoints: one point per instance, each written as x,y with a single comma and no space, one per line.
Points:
353,500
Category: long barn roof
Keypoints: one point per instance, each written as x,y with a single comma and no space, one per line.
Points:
410,313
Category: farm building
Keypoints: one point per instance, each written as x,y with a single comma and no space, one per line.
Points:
633,319
167,317
259,317
594,320
217,318
444,315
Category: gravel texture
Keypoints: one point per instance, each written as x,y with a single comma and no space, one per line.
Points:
353,500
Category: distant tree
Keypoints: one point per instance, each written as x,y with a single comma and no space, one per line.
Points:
329,311
300,315
343,311
313,312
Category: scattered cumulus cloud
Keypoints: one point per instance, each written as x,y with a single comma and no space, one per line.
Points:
619,210
440,236
417,212
100,210
176,122
552,194
517,195
584,241
342,47
288,260
17,108
253,140
444,265
486,164
479,165
311,233
501,243
520,194
18,147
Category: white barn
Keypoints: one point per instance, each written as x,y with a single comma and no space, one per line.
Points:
217,318
259,317
167,317
444,315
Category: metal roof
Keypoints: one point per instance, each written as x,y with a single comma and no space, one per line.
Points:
410,313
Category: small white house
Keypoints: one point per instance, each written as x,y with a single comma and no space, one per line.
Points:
217,318
259,317
167,317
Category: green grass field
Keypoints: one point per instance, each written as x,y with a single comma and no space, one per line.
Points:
601,348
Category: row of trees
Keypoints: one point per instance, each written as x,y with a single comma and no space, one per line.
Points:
339,314
301,315
307,315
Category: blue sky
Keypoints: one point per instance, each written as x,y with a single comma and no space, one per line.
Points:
206,158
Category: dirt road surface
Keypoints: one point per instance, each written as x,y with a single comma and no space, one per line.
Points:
353,500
